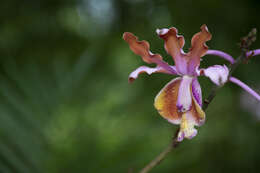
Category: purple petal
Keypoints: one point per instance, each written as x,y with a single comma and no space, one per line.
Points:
253,52
218,74
166,66
184,101
144,69
222,55
196,91
180,136
245,87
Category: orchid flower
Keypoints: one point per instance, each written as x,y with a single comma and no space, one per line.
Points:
180,101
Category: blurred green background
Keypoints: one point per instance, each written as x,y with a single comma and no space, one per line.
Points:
66,105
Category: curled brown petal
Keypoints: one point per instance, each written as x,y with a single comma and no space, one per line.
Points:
173,42
198,42
198,48
141,48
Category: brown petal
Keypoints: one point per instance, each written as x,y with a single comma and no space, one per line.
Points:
173,42
197,112
141,48
166,100
198,42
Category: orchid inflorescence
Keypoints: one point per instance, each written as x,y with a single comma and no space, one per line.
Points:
180,101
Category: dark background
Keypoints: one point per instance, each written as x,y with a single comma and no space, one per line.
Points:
66,105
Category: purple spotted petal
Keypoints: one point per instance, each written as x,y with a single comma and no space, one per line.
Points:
184,101
218,74
196,91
